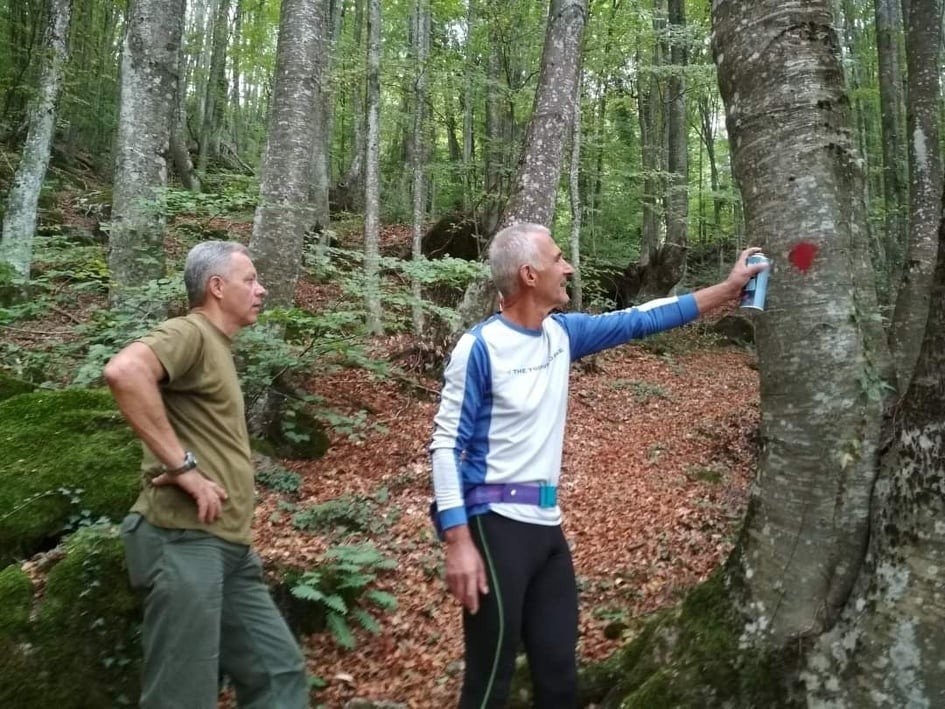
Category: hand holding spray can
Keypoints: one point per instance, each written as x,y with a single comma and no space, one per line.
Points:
754,292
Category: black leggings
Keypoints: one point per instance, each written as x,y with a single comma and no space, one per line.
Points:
532,600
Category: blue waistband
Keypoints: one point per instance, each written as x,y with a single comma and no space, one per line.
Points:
540,495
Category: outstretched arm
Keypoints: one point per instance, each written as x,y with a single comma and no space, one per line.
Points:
721,293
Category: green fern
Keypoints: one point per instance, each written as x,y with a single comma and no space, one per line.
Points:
341,587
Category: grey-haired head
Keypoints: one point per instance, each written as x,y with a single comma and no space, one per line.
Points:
512,248
205,260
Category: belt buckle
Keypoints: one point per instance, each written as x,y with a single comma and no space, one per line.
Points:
547,496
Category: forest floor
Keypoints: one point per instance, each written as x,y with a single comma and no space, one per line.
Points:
659,455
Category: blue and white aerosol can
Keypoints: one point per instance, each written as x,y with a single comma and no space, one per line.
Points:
754,292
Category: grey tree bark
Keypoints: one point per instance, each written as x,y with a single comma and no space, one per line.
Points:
19,219
284,214
353,182
180,138
888,19
372,257
923,23
419,149
216,90
468,98
321,120
673,251
149,79
574,195
535,186
821,351
651,120
793,584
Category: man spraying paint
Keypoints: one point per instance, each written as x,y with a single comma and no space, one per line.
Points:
496,454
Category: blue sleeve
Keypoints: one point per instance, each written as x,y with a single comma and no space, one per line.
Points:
590,334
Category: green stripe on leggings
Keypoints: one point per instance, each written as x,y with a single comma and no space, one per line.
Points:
494,588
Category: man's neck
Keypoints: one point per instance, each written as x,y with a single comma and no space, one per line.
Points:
524,313
217,319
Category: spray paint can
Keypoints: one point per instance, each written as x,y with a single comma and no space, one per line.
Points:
754,292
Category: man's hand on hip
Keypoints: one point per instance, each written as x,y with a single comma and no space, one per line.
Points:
208,495
465,572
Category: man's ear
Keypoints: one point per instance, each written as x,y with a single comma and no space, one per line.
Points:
215,287
527,274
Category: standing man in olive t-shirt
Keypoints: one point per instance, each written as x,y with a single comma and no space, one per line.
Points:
187,539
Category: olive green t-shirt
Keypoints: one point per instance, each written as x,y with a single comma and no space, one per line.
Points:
204,404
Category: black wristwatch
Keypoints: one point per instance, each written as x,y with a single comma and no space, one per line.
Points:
190,462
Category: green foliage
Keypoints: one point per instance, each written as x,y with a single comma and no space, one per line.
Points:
344,267
12,286
88,621
108,330
227,194
11,386
68,457
348,513
341,587
16,597
81,649
278,479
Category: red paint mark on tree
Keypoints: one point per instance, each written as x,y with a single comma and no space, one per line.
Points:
802,255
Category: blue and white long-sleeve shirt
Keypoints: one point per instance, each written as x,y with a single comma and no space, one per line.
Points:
505,396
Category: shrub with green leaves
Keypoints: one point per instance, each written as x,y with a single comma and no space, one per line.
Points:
340,589
278,479
347,513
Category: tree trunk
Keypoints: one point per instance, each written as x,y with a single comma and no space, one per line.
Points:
535,187
822,361
321,124
742,639
822,358
651,132
353,182
923,22
180,137
215,101
372,284
419,151
673,251
887,650
892,107
149,77
284,214
468,98
574,194
19,220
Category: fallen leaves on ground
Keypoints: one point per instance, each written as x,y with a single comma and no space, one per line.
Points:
658,457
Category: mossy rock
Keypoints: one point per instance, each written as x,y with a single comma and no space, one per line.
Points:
88,625
10,386
68,455
297,435
16,596
691,656
82,650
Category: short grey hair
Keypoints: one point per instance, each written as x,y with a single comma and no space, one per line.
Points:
205,260
512,248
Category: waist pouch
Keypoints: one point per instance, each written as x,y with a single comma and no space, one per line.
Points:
543,496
